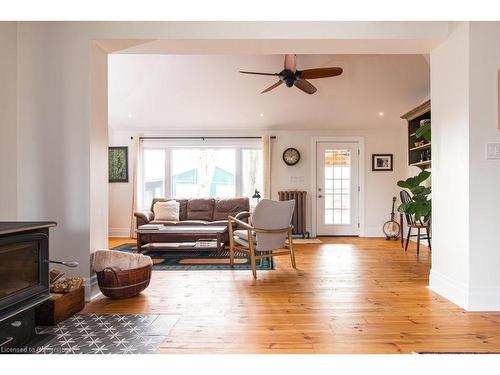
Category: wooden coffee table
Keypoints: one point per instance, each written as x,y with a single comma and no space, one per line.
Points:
174,234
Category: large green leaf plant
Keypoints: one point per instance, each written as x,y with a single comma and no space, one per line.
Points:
419,206
424,132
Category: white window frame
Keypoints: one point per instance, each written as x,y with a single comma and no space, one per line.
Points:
170,145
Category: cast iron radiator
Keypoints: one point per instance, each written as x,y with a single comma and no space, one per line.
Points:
299,214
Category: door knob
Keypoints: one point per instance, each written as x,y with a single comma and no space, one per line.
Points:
320,196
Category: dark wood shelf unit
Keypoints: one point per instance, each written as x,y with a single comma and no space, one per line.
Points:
418,156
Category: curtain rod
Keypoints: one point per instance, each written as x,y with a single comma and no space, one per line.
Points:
202,138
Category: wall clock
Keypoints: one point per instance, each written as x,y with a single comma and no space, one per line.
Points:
291,156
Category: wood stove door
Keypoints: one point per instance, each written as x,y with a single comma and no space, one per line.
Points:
23,268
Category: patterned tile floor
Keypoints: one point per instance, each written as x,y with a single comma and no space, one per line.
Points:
107,334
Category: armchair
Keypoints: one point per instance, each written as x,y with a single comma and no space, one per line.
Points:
266,236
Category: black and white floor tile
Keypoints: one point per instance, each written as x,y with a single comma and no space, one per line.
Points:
107,334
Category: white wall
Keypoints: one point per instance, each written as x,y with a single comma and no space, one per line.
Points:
8,121
450,155
379,187
484,175
98,132
54,136
120,193
465,260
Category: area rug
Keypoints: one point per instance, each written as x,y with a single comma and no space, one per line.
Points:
106,334
182,260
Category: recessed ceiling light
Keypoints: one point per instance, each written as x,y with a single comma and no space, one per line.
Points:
129,115
261,115
381,114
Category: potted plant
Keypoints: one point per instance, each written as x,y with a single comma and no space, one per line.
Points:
419,206
424,131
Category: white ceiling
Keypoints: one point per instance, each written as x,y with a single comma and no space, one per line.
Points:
161,92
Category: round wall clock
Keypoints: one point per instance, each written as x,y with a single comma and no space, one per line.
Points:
291,156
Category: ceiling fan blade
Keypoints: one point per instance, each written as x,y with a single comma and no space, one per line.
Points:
320,73
261,74
291,62
305,86
272,87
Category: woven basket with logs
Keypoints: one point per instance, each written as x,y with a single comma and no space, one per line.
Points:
122,275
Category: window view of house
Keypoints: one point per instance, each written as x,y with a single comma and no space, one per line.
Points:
203,173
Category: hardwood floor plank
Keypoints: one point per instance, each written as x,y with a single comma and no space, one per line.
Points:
348,295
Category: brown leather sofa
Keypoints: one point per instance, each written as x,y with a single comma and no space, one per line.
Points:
204,211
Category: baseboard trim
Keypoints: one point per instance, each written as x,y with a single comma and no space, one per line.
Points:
91,288
484,299
119,232
469,298
373,232
454,291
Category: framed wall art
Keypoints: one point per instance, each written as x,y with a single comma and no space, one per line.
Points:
118,164
381,162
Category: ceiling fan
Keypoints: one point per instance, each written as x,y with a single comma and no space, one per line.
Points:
291,76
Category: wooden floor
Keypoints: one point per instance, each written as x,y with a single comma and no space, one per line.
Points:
349,295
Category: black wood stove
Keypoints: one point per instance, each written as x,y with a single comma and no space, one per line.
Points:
24,279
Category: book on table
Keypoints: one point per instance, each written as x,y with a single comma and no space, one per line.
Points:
206,243
151,226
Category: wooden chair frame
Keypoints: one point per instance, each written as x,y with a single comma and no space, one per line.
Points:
419,226
287,250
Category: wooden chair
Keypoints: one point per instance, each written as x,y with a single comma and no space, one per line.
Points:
266,236
411,223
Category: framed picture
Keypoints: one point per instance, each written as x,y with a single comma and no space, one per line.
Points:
118,164
381,162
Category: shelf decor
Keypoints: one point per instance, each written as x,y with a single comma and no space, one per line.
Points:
419,140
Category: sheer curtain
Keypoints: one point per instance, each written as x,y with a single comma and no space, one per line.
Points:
136,155
266,168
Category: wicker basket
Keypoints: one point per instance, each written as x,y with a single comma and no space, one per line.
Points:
124,284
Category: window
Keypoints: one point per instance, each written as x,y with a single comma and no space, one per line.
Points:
198,171
337,186
153,174
251,171
203,172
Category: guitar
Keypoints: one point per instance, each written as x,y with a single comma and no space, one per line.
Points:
391,228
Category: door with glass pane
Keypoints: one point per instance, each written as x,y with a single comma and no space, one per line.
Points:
337,188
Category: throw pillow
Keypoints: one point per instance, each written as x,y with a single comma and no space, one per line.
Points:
166,211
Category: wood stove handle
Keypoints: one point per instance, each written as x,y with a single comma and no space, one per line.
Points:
69,263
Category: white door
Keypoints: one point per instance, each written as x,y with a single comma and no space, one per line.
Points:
337,189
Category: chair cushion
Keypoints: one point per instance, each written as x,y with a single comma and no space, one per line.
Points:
168,211
240,236
200,209
230,207
270,214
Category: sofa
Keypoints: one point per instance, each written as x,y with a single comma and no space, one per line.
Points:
200,211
